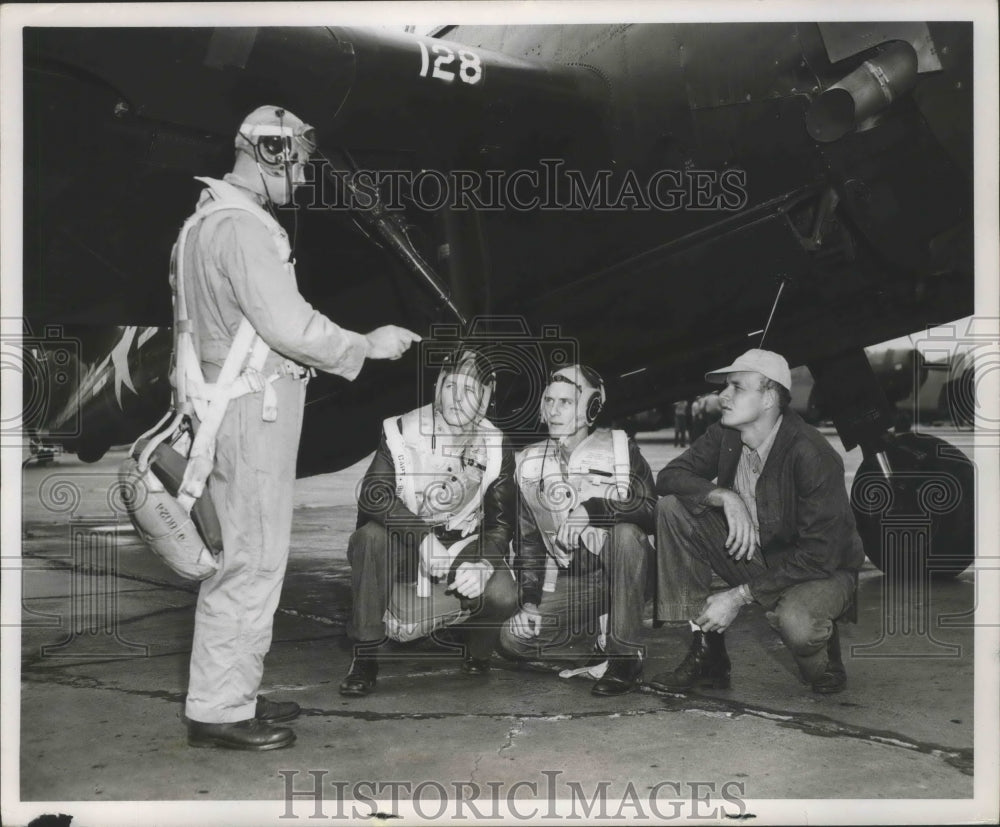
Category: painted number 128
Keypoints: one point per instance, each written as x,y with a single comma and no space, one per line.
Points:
469,70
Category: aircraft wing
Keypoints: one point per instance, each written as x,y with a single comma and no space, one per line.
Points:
655,195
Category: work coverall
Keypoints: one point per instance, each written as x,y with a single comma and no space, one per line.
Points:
234,267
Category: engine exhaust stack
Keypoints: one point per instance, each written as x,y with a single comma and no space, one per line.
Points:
865,92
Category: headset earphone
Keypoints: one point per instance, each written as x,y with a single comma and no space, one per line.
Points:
597,398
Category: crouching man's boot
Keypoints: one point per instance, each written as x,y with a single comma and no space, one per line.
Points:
834,677
622,676
705,665
361,679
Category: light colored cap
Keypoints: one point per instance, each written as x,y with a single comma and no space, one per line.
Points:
765,362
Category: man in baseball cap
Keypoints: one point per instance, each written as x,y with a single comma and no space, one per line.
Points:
776,525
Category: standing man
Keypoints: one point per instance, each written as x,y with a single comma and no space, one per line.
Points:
681,423
586,506
234,261
437,501
776,526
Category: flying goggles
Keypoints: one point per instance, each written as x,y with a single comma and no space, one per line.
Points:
277,145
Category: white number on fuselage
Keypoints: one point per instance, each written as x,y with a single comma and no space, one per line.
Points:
470,68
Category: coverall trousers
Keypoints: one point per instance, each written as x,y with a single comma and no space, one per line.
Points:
384,564
251,486
690,547
618,587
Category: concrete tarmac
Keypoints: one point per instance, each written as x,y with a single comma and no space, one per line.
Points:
106,639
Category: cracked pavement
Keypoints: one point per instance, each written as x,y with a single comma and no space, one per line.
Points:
106,638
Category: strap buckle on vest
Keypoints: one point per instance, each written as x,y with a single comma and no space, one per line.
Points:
295,370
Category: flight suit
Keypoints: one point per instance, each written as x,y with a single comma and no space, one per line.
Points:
237,265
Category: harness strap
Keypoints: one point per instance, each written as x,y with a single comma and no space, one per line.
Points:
202,456
194,395
494,458
405,484
619,449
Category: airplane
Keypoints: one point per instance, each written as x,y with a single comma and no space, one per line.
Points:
651,198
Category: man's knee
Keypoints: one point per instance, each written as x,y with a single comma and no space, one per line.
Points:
631,552
511,644
628,538
364,545
671,511
801,631
674,524
501,594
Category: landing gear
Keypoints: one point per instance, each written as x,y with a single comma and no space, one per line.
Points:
914,495
915,506
90,452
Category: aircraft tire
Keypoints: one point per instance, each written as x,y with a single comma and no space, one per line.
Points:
88,452
923,520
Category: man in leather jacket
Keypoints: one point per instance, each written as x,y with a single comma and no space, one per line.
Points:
586,505
776,525
437,501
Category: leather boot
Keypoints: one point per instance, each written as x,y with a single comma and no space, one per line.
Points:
275,712
360,681
834,677
705,665
476,667
246,735
622,676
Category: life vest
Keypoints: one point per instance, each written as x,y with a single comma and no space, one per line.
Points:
597,468
439,480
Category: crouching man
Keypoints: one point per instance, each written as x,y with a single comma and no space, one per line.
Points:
437,501
586,504
776,526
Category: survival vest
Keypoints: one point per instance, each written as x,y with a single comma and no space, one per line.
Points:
597,468
439,480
